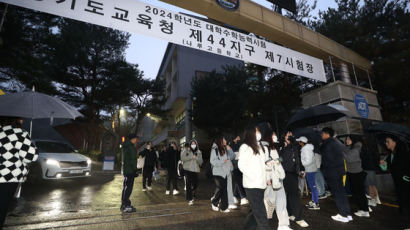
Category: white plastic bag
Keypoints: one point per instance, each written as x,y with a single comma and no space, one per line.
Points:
140,162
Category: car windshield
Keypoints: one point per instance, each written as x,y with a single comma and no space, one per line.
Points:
53,147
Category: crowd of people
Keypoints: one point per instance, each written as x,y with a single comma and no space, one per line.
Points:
262,171
265,172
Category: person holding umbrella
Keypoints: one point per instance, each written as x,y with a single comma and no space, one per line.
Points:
397,162
16,153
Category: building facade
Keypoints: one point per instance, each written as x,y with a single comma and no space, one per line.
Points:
180,65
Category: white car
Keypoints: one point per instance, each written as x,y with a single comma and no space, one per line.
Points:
59,160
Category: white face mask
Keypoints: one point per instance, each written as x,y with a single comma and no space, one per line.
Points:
258,136
275,139
193,146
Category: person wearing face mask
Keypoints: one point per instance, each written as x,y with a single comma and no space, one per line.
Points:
221,170
292,165
251,162
192,161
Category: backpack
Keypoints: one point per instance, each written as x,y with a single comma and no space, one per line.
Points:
208,169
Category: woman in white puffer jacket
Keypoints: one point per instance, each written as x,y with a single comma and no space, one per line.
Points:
275,196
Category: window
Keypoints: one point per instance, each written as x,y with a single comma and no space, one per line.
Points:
53,147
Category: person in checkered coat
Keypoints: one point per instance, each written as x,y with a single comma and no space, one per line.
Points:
16,152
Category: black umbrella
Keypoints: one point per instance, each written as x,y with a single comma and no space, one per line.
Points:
390,128
311,134
35,105
316,115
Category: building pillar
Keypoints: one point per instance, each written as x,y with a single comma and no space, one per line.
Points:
344,73
188,119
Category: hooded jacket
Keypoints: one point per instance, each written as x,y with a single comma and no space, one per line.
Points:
353,160
220,167
16,152
308,158
192,159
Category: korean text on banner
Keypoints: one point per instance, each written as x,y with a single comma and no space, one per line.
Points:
138,17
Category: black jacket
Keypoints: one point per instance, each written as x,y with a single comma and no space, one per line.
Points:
291,159
150,157
171,158
399,167
332,158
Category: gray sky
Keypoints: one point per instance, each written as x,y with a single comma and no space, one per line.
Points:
147,52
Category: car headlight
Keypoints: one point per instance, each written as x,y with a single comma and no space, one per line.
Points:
53,162
89,162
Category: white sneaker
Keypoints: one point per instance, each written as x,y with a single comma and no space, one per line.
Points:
167,192
232,206
144,190
149,188
362,213
302,223
175,192
378,200
284,228
370,209
226,210
191,202
244,201
292,218
235,201
340,218
214,208
350,218
372,203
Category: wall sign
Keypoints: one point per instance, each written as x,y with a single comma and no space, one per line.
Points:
362,107
138,17
229,4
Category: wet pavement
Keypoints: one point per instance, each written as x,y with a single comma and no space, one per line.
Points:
93,203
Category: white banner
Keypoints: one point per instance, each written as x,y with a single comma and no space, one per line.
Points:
138,17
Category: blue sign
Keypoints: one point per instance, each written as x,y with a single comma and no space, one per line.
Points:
362,107
229,4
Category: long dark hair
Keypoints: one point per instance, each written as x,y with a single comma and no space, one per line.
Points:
354,139
221,147
267,132
13,121
250,139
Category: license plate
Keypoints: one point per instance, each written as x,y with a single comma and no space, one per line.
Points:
76,171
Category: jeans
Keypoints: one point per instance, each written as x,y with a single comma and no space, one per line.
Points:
191,184
335,183
311,181
320,183
257,213
127,189
147,175
221,193
239,191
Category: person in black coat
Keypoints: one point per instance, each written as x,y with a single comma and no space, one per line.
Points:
171,158
333,169
150,163
397,162
291,163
